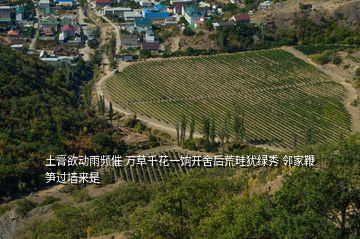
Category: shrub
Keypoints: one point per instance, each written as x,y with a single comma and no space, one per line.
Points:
24,206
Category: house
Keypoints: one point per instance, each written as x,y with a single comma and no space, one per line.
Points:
194,15
14,38
145,3
131,16
115,11
128,41
5,14
19,11
44,4
63,3
49,21
181,1
126,58
235,1
177,8
62,51
157,12
55,60
244,19
149,36
220,25
265,5
102,3
68,30
49,11
142,24
152,46
68,20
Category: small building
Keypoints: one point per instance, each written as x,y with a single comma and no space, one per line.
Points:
68,3
62,51
142,24
194,15
128,41
266,5
55,60
220,25
115,11
244,19
44,4
14,37
149,36
49,11
126,58
157,12
131,16
68,30
49,21
68,20
102,3
5,14
145,3
177,8
152,46
19,11
181,1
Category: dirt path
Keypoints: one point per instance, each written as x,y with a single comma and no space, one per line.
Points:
341,79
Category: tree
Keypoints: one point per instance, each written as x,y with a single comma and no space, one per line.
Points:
212,134
177,127
188,31
206,128
239,126
111,112
309,136
192,127
101,105
183,128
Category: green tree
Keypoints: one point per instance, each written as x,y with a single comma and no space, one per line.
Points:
111,111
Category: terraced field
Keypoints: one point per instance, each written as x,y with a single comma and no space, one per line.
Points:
281,96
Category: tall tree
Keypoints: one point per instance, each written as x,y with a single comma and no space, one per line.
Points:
192,126
212,134
111,112
183,126
206,128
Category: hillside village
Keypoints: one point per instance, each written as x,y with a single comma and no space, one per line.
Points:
59,31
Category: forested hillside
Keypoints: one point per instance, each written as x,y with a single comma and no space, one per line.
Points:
321,202
41,114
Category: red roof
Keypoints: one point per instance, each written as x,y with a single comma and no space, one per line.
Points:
241,18
103,1
12,33
68,27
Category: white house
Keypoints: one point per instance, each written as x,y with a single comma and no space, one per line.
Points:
265,5
149,36
117,11
131,16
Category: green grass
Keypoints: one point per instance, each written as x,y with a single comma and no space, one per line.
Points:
280,95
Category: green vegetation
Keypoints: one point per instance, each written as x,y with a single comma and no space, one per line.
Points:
321,202
314,49
327,57
277,94
42,114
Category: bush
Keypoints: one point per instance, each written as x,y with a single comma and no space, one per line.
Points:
357,72
24,206
188,31
337,60
48,200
